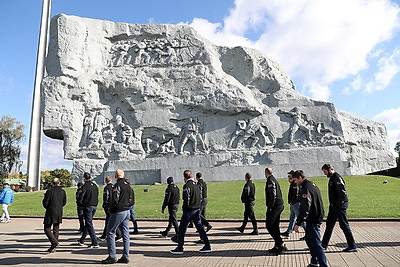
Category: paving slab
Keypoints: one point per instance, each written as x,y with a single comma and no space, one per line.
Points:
23,243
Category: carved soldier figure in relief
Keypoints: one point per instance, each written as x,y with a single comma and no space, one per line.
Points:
87,130
298,123
190,132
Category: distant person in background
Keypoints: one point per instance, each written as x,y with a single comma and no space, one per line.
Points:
203,188
338,204
54,200
311,212
274,203
171,200
79,208
248,199
132,211
294,201
89,198
6,199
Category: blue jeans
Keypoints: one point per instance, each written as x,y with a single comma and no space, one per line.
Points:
338,213
88,213
294,213
118,220
313,240
187,217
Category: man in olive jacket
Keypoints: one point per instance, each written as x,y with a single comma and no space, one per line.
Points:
248,199
171,200
54,200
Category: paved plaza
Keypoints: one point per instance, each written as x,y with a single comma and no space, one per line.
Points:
23,243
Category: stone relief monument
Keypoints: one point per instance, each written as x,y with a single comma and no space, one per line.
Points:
155,100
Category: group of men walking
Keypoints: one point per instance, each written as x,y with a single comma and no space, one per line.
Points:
306,210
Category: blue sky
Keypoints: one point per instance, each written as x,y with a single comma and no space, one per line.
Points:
343,51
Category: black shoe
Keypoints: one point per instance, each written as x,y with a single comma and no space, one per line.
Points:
164,233
278,250
302,238
349,249
209,227
324,247
52,248
200,242
255,232
205,249
109,260
177,250
135,232
285,234
174,239
240,229
122,260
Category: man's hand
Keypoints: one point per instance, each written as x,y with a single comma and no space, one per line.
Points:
296,229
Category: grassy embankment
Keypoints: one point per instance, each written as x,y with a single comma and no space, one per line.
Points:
369,197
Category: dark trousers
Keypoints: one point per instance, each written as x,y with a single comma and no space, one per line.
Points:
204,221
172,219
249,214
81,219
187,217
133,218
272,220
52,235
313,241
338,213
88,213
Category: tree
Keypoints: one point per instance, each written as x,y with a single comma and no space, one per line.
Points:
63,174
397,148
11,136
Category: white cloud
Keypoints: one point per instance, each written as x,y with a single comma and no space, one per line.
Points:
388,67
319,92
317,42
52,156
388,116
391,118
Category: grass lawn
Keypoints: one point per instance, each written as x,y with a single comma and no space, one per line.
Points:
369,197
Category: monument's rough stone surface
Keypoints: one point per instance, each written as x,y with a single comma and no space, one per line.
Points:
155,100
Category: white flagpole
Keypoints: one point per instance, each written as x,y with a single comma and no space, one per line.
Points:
35,137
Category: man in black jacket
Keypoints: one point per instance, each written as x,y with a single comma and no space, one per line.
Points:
248,199
311,212
120,202
89,198
54,200
338,204
171,200
191,212
107,192
274,203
